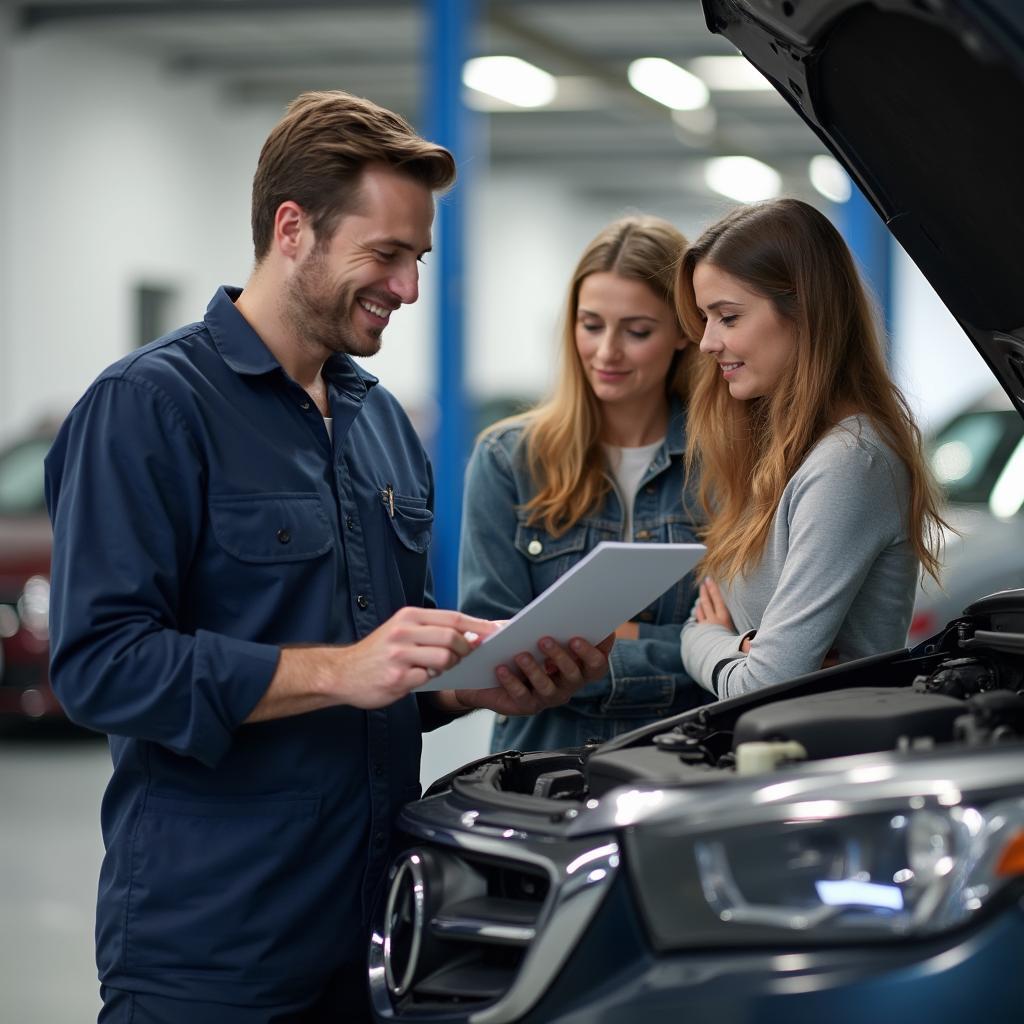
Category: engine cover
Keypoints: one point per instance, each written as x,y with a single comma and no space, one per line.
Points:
854,721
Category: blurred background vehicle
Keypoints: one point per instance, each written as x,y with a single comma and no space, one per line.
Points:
978,459
25,542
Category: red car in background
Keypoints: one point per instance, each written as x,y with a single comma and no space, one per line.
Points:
25,543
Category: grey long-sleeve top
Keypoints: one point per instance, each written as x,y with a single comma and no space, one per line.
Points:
838,571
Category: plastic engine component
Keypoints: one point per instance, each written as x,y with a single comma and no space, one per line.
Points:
854,721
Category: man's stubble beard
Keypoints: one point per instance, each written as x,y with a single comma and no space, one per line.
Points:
321,313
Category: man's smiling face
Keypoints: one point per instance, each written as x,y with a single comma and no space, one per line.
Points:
345,289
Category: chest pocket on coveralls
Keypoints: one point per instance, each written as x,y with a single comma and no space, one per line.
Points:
270,528
550,557
412,525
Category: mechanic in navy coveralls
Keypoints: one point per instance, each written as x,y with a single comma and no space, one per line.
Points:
227,502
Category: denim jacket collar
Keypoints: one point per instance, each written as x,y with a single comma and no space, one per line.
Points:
675,437
675,440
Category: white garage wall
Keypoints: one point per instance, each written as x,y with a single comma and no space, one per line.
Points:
6,152
120,176
934,362
528,235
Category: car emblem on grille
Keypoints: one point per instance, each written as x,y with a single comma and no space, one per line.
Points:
403,923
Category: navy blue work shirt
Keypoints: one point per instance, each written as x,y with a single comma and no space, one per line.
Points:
203,518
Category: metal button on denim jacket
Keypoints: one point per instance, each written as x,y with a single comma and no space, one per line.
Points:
506,562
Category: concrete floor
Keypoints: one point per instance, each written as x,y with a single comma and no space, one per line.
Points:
50,850
51,782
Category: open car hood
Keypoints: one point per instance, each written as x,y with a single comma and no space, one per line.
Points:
922,101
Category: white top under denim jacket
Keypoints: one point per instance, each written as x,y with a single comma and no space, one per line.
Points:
838,572
504,564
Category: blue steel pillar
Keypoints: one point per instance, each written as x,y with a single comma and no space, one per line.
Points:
867,236
445,120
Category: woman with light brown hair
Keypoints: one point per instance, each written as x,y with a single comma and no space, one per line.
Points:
820,506
602,459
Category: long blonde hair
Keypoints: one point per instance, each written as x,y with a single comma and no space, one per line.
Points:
563,434
747,451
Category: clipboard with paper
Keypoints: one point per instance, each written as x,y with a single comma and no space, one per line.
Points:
607,587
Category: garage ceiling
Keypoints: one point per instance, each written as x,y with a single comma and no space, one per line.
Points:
601,135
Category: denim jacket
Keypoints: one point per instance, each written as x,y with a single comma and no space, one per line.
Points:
505,563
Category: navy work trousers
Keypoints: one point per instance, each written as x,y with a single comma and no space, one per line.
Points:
345,1001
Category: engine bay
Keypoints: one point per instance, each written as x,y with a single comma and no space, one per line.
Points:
964,688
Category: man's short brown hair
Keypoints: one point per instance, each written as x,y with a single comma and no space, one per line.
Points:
316,154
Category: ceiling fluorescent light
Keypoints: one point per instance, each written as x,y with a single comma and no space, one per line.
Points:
730,74
742,178
510,79
573,92
667,83
829,178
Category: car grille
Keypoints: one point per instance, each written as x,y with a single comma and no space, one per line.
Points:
457,929
483,926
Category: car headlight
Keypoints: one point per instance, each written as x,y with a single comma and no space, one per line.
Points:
824,874
34,607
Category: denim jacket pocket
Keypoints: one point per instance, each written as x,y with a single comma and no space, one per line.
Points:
265,528
550,557
539,546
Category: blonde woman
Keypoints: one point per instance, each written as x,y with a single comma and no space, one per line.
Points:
602,459
821,509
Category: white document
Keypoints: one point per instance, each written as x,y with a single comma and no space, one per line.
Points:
600,592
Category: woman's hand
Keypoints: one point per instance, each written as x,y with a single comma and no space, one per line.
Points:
539,682
711,607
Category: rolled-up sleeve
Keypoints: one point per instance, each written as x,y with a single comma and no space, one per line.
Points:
124,485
